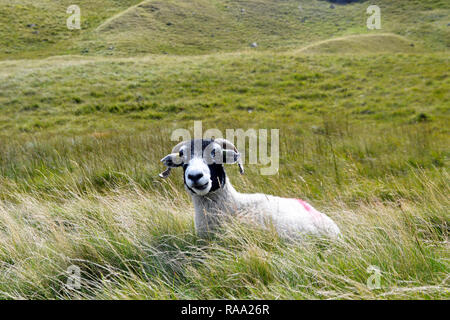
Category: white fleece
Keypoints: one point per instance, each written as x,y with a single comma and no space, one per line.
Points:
292,218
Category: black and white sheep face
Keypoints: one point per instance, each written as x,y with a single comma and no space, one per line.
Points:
197,176
202,162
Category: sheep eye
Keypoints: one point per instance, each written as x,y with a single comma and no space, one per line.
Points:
213,153
180,153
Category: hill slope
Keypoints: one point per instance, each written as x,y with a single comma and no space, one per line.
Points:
363,44
204,26
182,27
33,29
363,137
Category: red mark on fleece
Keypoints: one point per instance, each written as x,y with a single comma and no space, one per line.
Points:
305,205
310,209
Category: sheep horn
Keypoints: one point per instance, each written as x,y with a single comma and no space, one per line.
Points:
229,145
177,148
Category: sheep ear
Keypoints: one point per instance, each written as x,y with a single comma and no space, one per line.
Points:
172,160
232,157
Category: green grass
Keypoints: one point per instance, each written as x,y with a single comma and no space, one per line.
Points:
364,136
50,36
132,27
109,93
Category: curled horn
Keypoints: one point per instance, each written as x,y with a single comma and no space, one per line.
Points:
225,144
175,151
177,148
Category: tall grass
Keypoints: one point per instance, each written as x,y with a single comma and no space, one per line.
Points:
364,137
140,244
95,202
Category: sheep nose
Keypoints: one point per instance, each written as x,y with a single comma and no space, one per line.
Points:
195,177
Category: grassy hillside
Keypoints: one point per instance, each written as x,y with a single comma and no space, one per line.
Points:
211,26
363,44
85,117
205,26
35,29
104,94
363,138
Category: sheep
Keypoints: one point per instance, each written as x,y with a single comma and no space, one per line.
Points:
215,198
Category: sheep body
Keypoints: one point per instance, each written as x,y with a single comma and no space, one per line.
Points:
215,198
292,218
